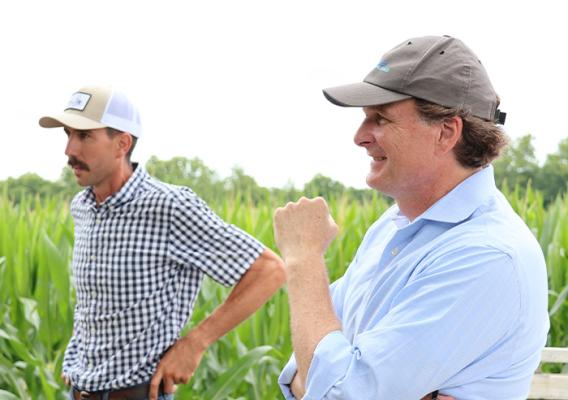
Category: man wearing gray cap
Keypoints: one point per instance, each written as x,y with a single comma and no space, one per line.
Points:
142,248
448,290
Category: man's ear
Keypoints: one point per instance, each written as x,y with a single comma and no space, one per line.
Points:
450,134
124,144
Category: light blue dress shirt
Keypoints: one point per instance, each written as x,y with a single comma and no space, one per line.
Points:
455,301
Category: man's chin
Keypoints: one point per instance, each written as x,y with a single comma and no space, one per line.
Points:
378,183
374,181
81,177
81,181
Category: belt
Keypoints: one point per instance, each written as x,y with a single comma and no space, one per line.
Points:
138,392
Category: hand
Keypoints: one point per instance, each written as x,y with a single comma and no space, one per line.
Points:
304,228
66,379
297,387
177,365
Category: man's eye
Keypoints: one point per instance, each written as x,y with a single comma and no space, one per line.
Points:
83,135
380,120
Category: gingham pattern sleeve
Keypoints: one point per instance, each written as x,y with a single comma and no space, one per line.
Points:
200,239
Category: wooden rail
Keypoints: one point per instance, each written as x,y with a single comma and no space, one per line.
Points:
551,386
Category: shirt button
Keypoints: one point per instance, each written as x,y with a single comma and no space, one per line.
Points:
394,251
93,258
98,220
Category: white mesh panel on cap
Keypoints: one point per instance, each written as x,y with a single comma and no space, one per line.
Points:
121,114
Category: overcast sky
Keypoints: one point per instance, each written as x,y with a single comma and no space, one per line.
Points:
239,82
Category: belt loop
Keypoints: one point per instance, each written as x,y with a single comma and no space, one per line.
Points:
106,395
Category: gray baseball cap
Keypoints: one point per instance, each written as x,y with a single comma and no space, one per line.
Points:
439,69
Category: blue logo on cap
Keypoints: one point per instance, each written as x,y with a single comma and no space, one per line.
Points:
383,66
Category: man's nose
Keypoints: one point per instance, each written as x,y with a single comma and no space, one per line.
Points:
363,137
72,147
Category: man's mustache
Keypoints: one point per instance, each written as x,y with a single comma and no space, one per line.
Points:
75,162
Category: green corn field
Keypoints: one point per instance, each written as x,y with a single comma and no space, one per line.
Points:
37,297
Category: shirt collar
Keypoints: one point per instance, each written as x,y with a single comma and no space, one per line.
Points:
399,219
464,199
124,195
459,203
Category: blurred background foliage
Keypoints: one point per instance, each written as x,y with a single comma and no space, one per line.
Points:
517,167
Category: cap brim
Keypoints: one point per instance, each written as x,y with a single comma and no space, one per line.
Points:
362,94
70,120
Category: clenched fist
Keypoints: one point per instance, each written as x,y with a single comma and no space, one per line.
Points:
303,229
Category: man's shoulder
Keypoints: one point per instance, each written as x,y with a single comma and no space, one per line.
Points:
497,225
173,195
497,232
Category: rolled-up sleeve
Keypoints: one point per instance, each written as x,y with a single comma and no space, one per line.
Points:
286,376
330,363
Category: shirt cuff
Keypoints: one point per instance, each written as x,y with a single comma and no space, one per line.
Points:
286,376
332,358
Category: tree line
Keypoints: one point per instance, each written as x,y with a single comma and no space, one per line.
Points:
518,168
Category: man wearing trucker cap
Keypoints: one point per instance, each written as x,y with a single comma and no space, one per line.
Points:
142,248
448,290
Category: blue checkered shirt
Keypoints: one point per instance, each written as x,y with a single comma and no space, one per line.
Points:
139,260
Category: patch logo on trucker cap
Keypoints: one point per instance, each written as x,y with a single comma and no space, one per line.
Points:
78,101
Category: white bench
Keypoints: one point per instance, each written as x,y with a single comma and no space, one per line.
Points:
551,386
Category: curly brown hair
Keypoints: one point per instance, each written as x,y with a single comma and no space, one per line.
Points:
481,141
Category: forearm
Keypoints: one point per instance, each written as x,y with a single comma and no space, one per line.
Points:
256,286
311,309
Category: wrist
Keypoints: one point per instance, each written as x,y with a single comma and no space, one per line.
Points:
198,338
305,270
301,260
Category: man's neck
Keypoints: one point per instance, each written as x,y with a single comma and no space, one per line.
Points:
114,184
415,204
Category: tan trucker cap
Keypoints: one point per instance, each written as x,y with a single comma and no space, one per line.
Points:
97,107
